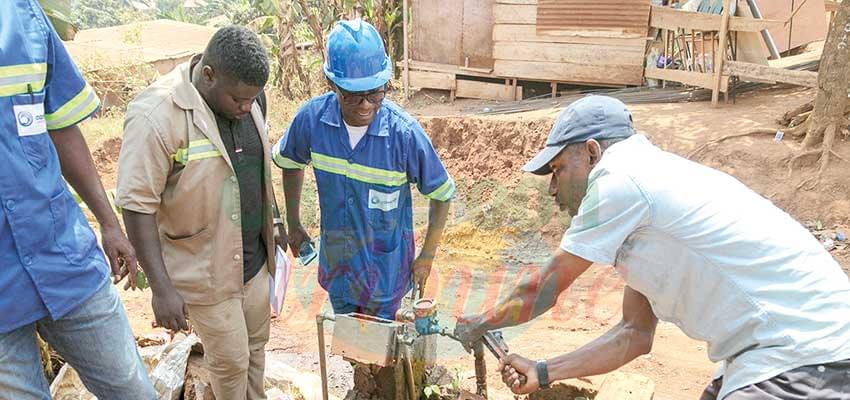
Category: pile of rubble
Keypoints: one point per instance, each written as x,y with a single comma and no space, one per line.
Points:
177,370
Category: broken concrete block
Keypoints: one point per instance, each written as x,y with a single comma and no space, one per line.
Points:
170,373
197,385
68,386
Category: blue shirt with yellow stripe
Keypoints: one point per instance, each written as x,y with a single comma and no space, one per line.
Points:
49,258
367,244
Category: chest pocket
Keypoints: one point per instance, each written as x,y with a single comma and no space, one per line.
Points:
31,128
384,214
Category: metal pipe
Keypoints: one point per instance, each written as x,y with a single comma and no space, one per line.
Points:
480,369
408,367
320,328
765,34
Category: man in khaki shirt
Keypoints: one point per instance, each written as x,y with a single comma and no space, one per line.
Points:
194,183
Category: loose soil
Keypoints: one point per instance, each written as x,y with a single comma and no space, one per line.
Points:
504,224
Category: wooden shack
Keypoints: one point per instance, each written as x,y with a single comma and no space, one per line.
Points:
483,48
600,43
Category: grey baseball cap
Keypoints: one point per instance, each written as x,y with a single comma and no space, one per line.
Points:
592,117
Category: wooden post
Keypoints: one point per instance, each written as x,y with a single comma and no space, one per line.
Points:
555,88
405,33
718,67
515,89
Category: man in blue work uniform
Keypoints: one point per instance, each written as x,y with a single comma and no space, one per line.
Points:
53,277
365,152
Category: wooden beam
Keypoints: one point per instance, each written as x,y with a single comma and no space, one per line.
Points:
570,72
406,76
789,61
569,52
671,18
516,2
451,69
432,80
757,72
718,69
528,33
698,79
485,90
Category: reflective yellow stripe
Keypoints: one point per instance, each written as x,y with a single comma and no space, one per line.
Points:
443,193
358,172
287,163
72,112
197,150
20,79
282,161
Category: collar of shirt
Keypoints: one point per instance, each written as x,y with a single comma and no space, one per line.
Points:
333,116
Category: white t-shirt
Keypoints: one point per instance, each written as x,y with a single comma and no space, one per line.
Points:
716,259
355,133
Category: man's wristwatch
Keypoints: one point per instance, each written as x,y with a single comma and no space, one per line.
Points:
277,221
543,374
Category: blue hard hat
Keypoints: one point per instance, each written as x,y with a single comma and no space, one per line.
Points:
356,59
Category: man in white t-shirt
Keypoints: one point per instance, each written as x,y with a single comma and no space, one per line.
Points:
696,248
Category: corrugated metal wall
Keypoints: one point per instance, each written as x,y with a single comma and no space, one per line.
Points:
589,15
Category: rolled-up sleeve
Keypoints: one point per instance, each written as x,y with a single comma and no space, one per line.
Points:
613,208
144,164
425,169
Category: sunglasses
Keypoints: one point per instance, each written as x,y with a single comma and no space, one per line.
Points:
354,99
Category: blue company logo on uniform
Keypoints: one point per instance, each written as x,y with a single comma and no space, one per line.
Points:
25,118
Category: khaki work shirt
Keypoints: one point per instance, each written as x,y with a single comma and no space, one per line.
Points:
173,164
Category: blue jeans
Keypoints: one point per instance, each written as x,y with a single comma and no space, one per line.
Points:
95,338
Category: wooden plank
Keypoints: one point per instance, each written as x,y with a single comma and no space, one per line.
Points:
718,64
569,52
570,72
436,33
751,47
515,14
622,386
486,90
449,69
698,79
432,80
528,33
673,19
406,49
534,2
786,62
761,72
477,47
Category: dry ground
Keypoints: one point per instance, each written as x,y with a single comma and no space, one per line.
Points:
504,224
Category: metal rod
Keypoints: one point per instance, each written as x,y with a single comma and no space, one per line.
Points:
408,368
480,369
718,68
320,328
765,34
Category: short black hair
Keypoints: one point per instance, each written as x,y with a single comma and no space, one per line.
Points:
238,52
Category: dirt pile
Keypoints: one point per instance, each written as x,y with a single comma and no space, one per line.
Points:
105,158
477,149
